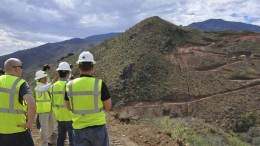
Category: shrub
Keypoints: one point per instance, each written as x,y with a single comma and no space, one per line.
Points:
256,141
244,122
254,132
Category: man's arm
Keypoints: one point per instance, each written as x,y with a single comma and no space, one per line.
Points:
107,104
31,111
105,97
68,105
42,87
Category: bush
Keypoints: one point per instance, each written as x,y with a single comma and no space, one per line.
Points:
256,141
244,122
254,132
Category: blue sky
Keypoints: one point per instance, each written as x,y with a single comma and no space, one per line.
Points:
30,23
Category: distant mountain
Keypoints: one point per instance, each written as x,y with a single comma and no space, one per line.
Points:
50,52
219,24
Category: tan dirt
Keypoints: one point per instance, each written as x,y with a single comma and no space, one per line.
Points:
121,134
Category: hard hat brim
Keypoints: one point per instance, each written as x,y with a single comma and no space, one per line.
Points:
40,78
94,62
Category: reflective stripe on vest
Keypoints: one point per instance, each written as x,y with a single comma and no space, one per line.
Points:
95,94
45,98
57,92
12,92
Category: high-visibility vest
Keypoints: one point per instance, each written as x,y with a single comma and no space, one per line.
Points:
58,104
11,111
86,104
43,101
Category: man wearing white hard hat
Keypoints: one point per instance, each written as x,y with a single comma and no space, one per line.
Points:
61,113
88,98
43,108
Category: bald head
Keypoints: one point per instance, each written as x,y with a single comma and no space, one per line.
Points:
10,65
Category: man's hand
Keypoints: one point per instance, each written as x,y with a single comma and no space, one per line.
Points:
56,78
26,126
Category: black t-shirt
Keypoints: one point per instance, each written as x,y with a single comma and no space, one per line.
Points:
24,89
105,95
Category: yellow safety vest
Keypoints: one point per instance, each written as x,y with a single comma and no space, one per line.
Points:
85,99
43,101
11,111
58,104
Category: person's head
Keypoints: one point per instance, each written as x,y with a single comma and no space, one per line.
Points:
64,70
2,72
86,62
13,66
46,68
41,76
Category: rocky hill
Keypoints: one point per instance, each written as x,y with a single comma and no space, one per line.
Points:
207,82
220,25
157,68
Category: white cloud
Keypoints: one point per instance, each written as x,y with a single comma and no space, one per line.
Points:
65,3
99,20
8,44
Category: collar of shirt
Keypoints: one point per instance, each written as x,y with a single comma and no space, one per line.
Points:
63,79
83,75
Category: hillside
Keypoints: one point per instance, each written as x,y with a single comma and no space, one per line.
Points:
196,87
157,68
220,25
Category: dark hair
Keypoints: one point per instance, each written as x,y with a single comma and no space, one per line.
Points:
2,72
71,66
86,66
45,67
63,73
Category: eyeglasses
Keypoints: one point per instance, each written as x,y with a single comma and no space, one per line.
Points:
19,66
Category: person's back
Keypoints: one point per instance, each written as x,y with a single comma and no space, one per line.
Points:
90,105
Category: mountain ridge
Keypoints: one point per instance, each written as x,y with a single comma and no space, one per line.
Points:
220,24
50,52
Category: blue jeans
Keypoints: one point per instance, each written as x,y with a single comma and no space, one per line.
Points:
16,139
91,136
63,127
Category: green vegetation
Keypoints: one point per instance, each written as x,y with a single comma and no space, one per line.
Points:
159,61
195,132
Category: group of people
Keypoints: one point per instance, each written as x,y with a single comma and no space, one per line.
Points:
78,105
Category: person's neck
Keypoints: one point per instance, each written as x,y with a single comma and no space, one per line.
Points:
11,74
89,73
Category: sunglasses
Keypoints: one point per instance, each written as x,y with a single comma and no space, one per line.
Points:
19,66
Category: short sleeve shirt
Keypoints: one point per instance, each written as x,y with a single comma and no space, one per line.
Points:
24,89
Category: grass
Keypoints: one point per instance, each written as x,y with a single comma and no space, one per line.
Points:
195,132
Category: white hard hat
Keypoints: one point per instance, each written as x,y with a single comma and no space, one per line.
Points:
64,66
86,56
40,74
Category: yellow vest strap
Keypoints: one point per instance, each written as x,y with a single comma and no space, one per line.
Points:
4,110
58,106
84,112
75,93
8,90
45,98
57,92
